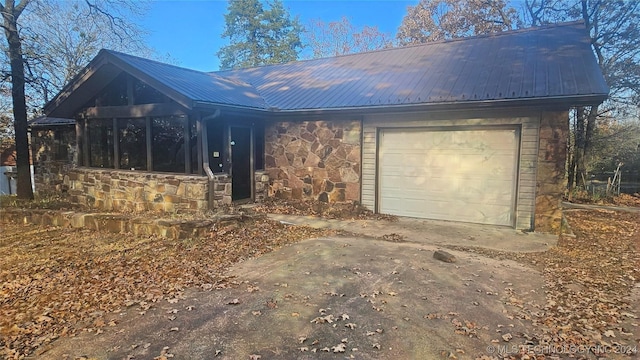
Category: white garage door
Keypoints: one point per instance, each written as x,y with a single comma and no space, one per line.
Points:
466,175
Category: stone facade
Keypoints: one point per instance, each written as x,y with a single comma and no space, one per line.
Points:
551,179
261,186
222,190
117,190
314,160
54,151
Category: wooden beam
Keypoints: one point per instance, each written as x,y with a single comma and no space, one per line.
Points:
134,111
200,135
116,144
187,144
78,156
149,138
85,142
252,162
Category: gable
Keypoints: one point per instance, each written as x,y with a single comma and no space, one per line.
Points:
183,86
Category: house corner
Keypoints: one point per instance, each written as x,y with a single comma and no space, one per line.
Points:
551,171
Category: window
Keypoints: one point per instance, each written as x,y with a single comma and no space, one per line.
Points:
101,143
168,144
115,94
60,149
132,143
145,94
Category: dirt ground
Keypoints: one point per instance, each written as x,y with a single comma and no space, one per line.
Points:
381,300
341,296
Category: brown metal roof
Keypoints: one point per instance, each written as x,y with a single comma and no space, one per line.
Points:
43,121
538,63
551,63
196,85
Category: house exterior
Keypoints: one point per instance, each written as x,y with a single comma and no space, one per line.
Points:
469,130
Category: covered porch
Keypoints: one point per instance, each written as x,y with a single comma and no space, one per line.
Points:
143,148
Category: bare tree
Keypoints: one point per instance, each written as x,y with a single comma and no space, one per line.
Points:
614,30
433,20
342,37
43,58
10,14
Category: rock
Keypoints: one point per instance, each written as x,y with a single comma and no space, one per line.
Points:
444,256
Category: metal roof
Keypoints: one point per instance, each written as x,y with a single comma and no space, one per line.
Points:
538,63
196,85
545,63
43,121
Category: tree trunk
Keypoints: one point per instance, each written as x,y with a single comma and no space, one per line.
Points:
580,170
571,158
588,133
10,15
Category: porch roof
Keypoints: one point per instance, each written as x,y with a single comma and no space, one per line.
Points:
543,64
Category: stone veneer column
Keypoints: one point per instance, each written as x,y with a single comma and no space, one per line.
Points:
317,160
52,158
551,178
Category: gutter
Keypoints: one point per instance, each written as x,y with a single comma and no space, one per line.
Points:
205,157
547,102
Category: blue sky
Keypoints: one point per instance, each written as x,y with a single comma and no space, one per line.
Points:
188,31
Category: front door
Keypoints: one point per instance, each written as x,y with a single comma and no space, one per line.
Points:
241,163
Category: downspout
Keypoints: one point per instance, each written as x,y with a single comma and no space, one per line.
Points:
205,156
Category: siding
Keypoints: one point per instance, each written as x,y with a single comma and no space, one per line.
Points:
526,186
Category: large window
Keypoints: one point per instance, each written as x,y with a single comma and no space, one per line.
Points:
132,144
168,144
101,143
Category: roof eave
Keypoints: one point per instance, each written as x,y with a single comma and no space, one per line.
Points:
204,105
550,103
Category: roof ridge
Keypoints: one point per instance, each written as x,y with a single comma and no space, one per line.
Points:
467,38
208,73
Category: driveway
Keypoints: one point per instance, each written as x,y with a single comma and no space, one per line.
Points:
354,297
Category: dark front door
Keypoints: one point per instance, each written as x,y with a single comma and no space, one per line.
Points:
240,163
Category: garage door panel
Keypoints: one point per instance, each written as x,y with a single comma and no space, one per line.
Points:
448,175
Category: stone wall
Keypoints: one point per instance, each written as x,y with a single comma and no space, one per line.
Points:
222,190
53,150
550,179
317,160
261,186
117,190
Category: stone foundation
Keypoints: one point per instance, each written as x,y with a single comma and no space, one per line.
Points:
261,186
116,190
314,160
222,190
121,224
53,151
550,179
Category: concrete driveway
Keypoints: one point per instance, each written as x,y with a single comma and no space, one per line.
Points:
433,232
353,297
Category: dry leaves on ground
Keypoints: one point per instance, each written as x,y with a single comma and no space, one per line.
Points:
628,200
589,281
56,282
342,211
